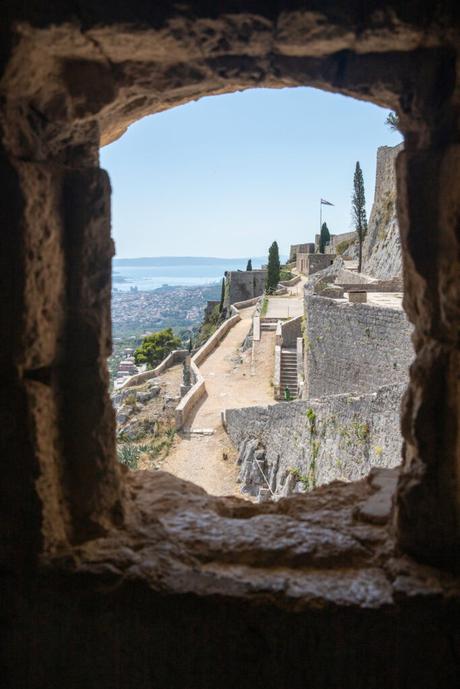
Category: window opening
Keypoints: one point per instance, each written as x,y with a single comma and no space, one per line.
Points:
281,369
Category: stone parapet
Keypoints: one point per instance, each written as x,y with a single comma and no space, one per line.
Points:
174,357
354,347
277,373
290,331
187,403
312,442
291,282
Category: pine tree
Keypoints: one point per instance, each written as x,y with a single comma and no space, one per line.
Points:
249,266
324,238
358,207
273,273
222,296
156,347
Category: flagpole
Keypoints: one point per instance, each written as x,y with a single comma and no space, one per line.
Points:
320,216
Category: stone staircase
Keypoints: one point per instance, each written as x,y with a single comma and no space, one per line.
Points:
289,372
268,324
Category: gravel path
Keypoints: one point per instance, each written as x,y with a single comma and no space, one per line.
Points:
233,379
202,452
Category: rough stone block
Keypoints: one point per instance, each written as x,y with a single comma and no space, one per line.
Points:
357,297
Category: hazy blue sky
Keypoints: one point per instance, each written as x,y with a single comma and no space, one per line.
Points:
226,175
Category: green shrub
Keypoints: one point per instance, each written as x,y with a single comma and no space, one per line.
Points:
156,347
264,308
129,454
285,275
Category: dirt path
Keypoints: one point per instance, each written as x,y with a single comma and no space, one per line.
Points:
233,379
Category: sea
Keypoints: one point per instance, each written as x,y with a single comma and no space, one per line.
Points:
132,274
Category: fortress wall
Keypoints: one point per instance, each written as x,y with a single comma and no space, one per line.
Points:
354,347
295,249
243,285
382,245
299,445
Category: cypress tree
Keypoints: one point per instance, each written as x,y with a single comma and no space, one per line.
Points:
222,296
249,266
273,273
358,209
324,238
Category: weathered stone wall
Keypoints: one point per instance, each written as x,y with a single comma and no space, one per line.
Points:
335,239
351,277
154,582
290,331
354,347
308,248
177,355
382,245
299,445
316,262
242,285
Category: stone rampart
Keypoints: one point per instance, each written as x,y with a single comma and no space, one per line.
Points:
382,246
336,239
175,357
187,403
242,285
299,445
354,347
291,282
295,249
307,264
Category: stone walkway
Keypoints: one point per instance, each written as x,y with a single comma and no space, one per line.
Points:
287,305
389,300
202,452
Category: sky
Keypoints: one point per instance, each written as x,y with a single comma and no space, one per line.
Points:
226,175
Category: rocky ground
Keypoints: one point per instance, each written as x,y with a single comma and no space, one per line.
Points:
145,420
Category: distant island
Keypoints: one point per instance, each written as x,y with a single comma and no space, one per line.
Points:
188,261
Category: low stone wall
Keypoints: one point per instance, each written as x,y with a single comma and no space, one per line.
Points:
244,304
354,347
351,277
256,328
300,367
198,390
393,285
290,331
291,282
175,357
299,445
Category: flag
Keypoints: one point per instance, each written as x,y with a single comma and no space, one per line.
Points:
326,203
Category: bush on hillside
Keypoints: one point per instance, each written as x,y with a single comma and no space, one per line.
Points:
156,347
285,274
343,246
208,327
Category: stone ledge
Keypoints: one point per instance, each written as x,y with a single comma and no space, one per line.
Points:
321,549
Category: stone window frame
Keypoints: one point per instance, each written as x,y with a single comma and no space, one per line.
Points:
84,83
